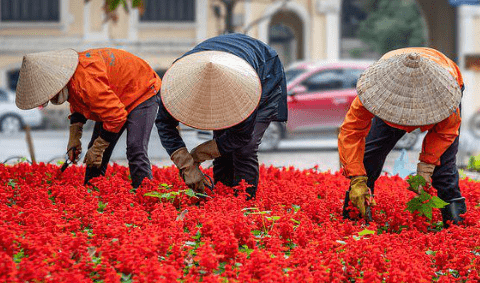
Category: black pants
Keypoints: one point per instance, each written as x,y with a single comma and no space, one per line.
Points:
380,141
231,168
139,126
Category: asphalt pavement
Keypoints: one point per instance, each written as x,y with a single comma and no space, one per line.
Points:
50,146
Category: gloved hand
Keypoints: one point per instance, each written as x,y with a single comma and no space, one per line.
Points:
189,170
74,142
360,195
426,171
94,155
205,151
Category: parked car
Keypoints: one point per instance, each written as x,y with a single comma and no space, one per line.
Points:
319,96
13,119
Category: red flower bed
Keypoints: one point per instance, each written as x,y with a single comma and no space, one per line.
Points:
54,229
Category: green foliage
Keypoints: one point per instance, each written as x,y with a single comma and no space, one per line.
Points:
474,163
113,4
416,181
172,195
424,203
391,25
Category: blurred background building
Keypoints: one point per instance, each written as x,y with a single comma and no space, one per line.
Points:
300,30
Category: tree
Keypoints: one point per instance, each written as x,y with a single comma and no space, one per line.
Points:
110,7
391,25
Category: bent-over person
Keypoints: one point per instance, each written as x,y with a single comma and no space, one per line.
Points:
406,89
234,85
115,88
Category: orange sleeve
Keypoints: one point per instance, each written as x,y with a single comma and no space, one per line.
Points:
101,99
439,138
351,139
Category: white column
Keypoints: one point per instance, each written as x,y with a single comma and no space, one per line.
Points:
466,45
133,20
331,9
91,35
201,18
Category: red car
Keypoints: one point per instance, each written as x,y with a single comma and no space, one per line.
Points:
319,96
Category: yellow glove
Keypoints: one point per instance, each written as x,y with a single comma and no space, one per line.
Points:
94,155
189,169
74,146
360,195
205,151
426,171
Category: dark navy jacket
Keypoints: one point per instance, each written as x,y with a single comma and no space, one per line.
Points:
273,101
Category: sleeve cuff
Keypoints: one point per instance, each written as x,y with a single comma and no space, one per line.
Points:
77,118
429,158
354,169
108,136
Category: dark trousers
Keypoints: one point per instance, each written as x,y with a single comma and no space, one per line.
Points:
139,126
380,141
231,168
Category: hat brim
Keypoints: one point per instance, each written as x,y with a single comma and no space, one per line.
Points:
211,90
43,75
404,95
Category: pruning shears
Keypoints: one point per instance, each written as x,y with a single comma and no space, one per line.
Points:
67,160
208,182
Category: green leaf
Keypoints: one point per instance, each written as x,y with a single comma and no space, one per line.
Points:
366,232
438,202
414,204
416,181
424,203
190,193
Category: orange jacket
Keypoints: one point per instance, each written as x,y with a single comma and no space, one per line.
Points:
109,83
355,127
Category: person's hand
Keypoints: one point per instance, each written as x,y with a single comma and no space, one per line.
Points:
205,151
74,147
94,155
360,195
189,169
426,171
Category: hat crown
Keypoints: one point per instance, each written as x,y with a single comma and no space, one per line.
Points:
412,60
211,90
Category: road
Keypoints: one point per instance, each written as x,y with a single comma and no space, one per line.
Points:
50,146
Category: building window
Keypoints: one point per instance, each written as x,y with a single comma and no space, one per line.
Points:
169,11
30,11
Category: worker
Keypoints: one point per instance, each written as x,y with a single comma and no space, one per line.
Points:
406,89
234,85
115,88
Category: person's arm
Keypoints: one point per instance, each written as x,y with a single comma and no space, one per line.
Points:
102,100
168,131
237,136
230,140
439,138
351,139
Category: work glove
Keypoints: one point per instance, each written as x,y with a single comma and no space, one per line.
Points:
360,195
74,146
426,171
189,170
94,155
205,151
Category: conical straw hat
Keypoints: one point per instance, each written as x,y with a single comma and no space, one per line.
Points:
211,90
409,90
43,75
